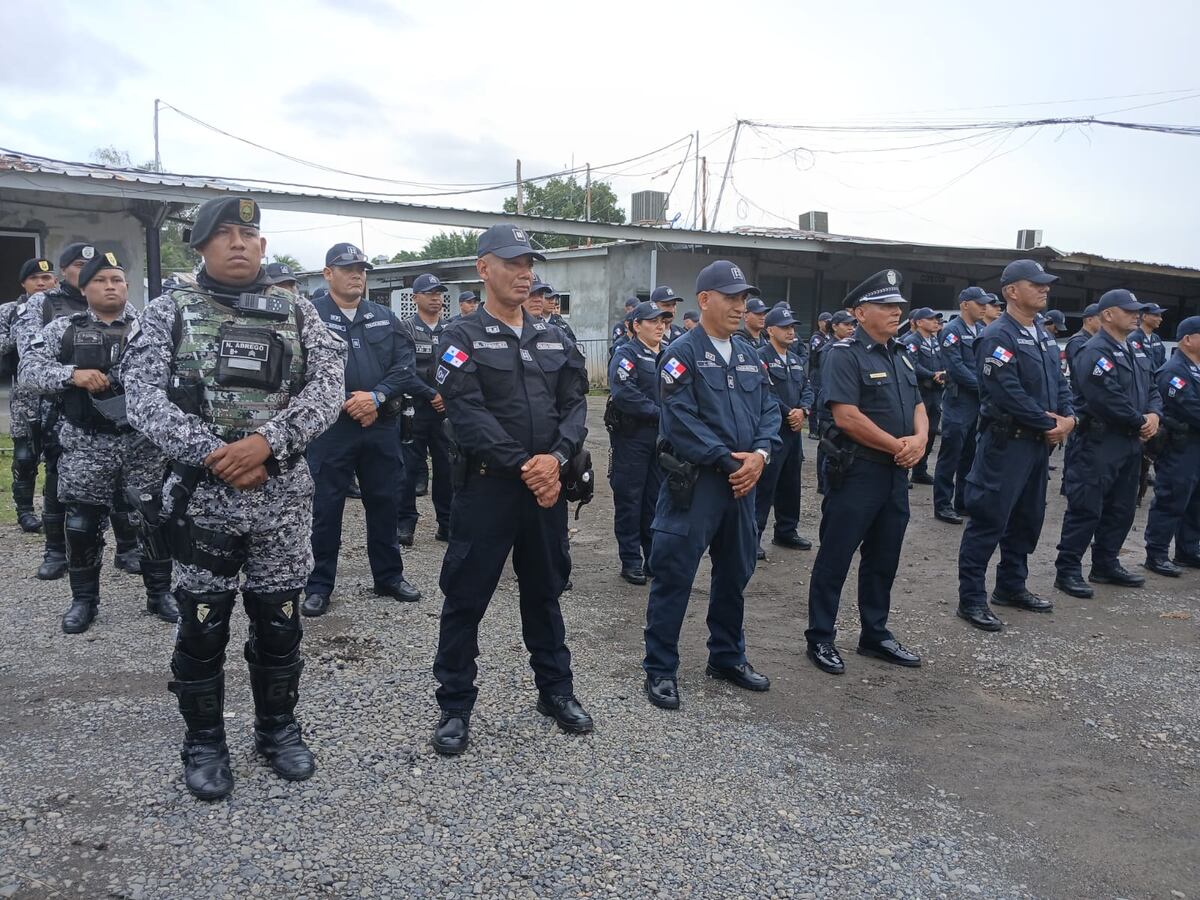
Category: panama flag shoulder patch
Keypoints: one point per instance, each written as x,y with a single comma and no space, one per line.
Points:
674,368
1103,366
1178,383
626,363
1001,355
951,340
454,356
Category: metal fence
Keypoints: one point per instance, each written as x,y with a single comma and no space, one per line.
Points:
596,354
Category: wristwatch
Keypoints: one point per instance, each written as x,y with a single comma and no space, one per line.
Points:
379,397
766,455
562,460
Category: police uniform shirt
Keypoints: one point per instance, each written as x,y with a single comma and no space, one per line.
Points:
1019,374
508,397
425,342
926,355
788,381
959,353
1155,349
712,408
756,342
633,381
1179,387
878,378
618,332
1074,345
673,333
378,359
558,321
1114,383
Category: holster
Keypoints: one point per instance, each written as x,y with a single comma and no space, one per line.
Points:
838,456
458,459
579,480
681,476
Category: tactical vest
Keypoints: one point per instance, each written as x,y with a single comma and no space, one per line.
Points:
424,346
57,304
213,341
86,344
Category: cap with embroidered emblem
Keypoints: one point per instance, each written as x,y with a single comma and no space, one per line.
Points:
1026,270
756,306
691,316
780,317
841,317
96,264
35,266
279,273
222,211
974,294
648,309
882,287
1153,309
542,287
507,242
428,283
1120,299
1056,317
923,312
1092,309
345,254
467,297
1190,325
825,317
723,277
664,294
72,252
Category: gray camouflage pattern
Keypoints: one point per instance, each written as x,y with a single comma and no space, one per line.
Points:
28,323
24,406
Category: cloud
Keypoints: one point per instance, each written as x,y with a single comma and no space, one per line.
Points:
78,61
335,107
380,12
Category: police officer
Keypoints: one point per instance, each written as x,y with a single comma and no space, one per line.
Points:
632,422
74,358
1054,322
365,438
841,325
926,353
1146,335
619,332
281,275
231,379
816,341
960,406
516,397
720,425
753,323
24,407
65,299
780,483
468,302
1091,324
691,319
554,317
1175,512
668,300
1119,408
425,328
993,309
880,429
1025,410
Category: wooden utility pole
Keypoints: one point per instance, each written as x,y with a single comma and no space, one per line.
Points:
520,192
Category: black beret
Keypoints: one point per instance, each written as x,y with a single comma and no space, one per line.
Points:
95,264
37,266
223,210
72,252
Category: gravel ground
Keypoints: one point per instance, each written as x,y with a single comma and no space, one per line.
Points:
865,786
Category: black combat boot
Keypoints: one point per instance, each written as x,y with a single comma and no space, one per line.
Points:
54,561
22,490
276,732
127,558
85,597
156,576
206,770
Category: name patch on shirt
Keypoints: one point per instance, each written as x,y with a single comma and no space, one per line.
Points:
1027,341
548,345
747,368
335,326
490,345
878,374
382,323
492,329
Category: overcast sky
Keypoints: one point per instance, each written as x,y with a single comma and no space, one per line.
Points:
454,92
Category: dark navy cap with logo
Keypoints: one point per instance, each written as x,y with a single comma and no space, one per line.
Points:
841,317
631,302
507,242
664,294
1153,309
346,255
541,287
428,283
36,266
923,313
94,265
756,306
780,317
1056,316
279,273
825,317
974,294
1092,309
882,287
691,316
1190,325
467,297
723,277
72,252
648,309
993,300
1121,299
1026,270
222,211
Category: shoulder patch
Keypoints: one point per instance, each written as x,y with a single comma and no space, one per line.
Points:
1177,383
454,356
1002,355
626,364
674,368
440,375
951,340
1104,365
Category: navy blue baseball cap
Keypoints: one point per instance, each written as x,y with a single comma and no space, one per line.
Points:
1026,270
35,266
664,294
346,255
631,302
756,306
428,283
279,273
882,287
780,317
825,317
691,316
841,317
723,277
541,287
1190,325
648,309
974,294
993,300
1121,299
507,242
1153,309
1092,309
923,313
1056,316
467,297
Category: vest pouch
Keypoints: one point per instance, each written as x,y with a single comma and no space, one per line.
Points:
251,357
88,350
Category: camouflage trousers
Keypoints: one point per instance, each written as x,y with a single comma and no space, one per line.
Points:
25,409
95,467
275,521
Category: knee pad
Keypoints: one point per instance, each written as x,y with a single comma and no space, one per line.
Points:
84,540
25,458
275,629
203,623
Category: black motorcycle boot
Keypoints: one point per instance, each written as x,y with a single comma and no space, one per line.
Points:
85,598
54,561
22,491
206,769
156,576
276,732
128,556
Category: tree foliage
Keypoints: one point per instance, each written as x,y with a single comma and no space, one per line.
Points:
444,245
288,260
566,198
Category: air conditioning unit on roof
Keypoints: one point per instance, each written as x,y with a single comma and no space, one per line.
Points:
1029,238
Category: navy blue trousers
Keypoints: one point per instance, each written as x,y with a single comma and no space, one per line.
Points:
491,518
428,437
1175,512
956,452
866,511
725,528
1006,498
373,453
779,487
635,478
1101,484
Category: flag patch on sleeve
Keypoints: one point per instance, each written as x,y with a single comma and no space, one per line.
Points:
1178,383
950,340
454,356
626,364
1103,365
674,368
1001,355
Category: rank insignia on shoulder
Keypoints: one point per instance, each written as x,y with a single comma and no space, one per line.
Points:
1001,355
454,356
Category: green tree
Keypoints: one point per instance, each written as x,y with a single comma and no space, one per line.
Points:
444,245
288,260
566,198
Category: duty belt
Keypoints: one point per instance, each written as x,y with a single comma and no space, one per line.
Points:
1092,425
873,455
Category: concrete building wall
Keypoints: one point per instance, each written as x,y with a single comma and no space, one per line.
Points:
109,230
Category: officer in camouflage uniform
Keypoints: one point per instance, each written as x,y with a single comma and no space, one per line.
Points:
73,358
231,380
24,407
